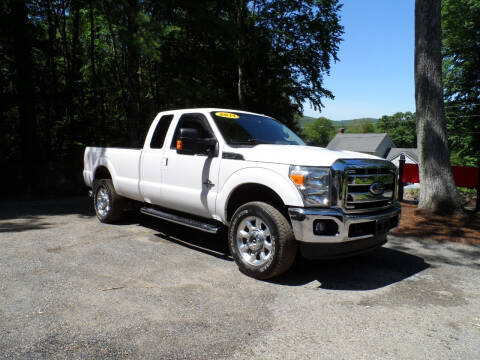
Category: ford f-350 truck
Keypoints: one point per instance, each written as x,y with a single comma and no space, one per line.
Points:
216,168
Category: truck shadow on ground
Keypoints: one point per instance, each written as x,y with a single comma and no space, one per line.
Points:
369,271
213,245
373,270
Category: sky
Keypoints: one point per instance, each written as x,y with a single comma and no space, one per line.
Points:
375,72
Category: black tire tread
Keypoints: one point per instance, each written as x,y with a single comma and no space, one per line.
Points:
287,249
117,202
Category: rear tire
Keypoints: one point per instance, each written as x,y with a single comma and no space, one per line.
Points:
109,206
261,240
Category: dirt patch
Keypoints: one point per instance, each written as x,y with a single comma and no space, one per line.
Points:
420,223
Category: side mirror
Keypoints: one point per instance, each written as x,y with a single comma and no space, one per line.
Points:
187,141
190,142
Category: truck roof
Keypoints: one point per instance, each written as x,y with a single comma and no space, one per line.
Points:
209,110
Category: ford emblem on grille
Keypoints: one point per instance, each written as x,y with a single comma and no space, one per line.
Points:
377,188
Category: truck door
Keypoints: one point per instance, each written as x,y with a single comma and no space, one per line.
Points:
190,181
152,160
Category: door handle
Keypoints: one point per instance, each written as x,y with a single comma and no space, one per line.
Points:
164,161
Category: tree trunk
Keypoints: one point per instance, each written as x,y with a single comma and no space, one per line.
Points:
3,127
72,78
94,124
241,14
50,93
133,65
437,187
25,93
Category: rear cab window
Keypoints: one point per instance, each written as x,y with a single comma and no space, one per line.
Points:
158,138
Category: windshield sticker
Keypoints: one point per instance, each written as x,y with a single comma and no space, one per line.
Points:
227,115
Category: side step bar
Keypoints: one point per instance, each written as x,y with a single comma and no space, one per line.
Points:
195,224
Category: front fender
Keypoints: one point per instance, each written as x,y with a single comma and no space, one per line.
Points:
277,180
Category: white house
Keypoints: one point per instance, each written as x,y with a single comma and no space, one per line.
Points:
411,155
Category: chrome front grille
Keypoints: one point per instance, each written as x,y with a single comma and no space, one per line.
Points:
358,194
358,182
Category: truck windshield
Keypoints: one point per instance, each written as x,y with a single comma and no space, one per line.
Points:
248,129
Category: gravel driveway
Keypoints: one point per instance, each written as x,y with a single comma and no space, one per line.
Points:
71,287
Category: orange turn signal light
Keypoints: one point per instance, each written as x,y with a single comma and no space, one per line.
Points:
298,179
179,144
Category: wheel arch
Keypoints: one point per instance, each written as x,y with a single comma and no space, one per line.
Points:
263,185
249,192
103,169
102,172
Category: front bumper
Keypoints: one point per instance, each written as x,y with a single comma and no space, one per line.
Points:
349,227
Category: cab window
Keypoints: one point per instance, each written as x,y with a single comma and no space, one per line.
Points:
193,121
160,132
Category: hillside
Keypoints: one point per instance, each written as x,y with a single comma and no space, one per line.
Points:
304,120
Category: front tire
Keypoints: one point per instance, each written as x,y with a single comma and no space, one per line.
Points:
261,240
109,206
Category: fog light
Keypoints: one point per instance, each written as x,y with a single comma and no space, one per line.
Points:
320,227
325,227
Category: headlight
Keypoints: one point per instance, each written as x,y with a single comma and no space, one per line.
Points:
313,183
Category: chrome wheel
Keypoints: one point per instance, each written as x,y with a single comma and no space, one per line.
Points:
102,201
254,241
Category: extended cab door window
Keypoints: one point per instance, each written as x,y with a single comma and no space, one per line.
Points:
160,132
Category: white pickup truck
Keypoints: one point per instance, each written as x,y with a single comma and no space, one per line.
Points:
214,168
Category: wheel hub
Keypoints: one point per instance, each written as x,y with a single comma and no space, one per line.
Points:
103,201
256,240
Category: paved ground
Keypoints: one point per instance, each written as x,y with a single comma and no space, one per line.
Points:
71,287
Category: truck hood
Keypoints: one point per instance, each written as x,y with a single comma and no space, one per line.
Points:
297,155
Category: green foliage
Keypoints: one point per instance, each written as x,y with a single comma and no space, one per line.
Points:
319,132
360,126
100,67
401,128
461,78
345,123
302,121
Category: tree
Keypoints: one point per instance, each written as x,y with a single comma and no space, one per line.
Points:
360,126
320,131
294,43
133,67
461,71
437,187
241,8
400,127
76,73
22,33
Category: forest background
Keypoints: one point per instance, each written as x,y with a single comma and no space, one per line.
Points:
78,73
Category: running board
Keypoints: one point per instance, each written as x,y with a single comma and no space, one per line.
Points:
195,224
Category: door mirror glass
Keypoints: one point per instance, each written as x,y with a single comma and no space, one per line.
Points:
190,143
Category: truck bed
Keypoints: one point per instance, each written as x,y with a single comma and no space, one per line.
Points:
122,163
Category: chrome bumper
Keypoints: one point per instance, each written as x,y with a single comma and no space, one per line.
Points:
376,224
